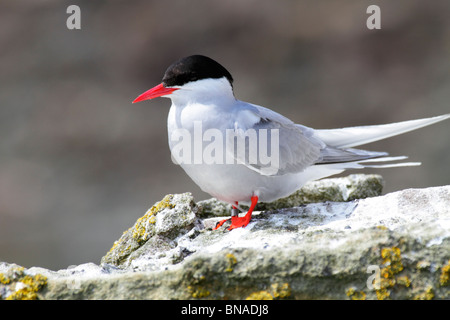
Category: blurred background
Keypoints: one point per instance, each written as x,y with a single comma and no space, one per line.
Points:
79,163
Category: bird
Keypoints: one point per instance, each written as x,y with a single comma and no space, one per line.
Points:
242,153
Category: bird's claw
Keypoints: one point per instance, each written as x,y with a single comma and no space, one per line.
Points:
220,223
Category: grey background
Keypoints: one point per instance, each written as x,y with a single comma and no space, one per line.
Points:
79,163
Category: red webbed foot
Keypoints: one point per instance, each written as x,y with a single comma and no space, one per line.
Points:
239,222
220,223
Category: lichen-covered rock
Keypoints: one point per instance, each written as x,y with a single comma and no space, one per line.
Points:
395,246
16,283
213,208
352,187
155,233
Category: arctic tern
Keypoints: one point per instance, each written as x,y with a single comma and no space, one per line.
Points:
202,97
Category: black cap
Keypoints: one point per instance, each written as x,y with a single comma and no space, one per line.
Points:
193,68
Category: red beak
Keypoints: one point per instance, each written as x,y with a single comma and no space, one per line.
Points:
155,92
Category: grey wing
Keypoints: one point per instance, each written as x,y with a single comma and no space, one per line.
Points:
274,145
284,147
297,148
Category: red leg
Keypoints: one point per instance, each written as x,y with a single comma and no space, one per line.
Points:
238,222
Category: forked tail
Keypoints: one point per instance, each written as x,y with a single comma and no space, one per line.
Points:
357,136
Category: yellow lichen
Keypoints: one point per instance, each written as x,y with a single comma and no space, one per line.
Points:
355,295
198,292
383,294
427,295
116,243
28,287
387,277
141,232
444,279
4,279
403,281
392,264
260,295
231,259
279,291
392,259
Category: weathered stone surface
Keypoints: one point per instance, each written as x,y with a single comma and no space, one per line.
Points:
331,250
352,187
153,234
355,186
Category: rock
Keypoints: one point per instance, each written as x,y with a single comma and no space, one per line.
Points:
153,235
352,187
395,246
355,186
16,283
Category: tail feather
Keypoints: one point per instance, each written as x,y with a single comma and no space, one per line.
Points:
388,165
361,164
356,136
